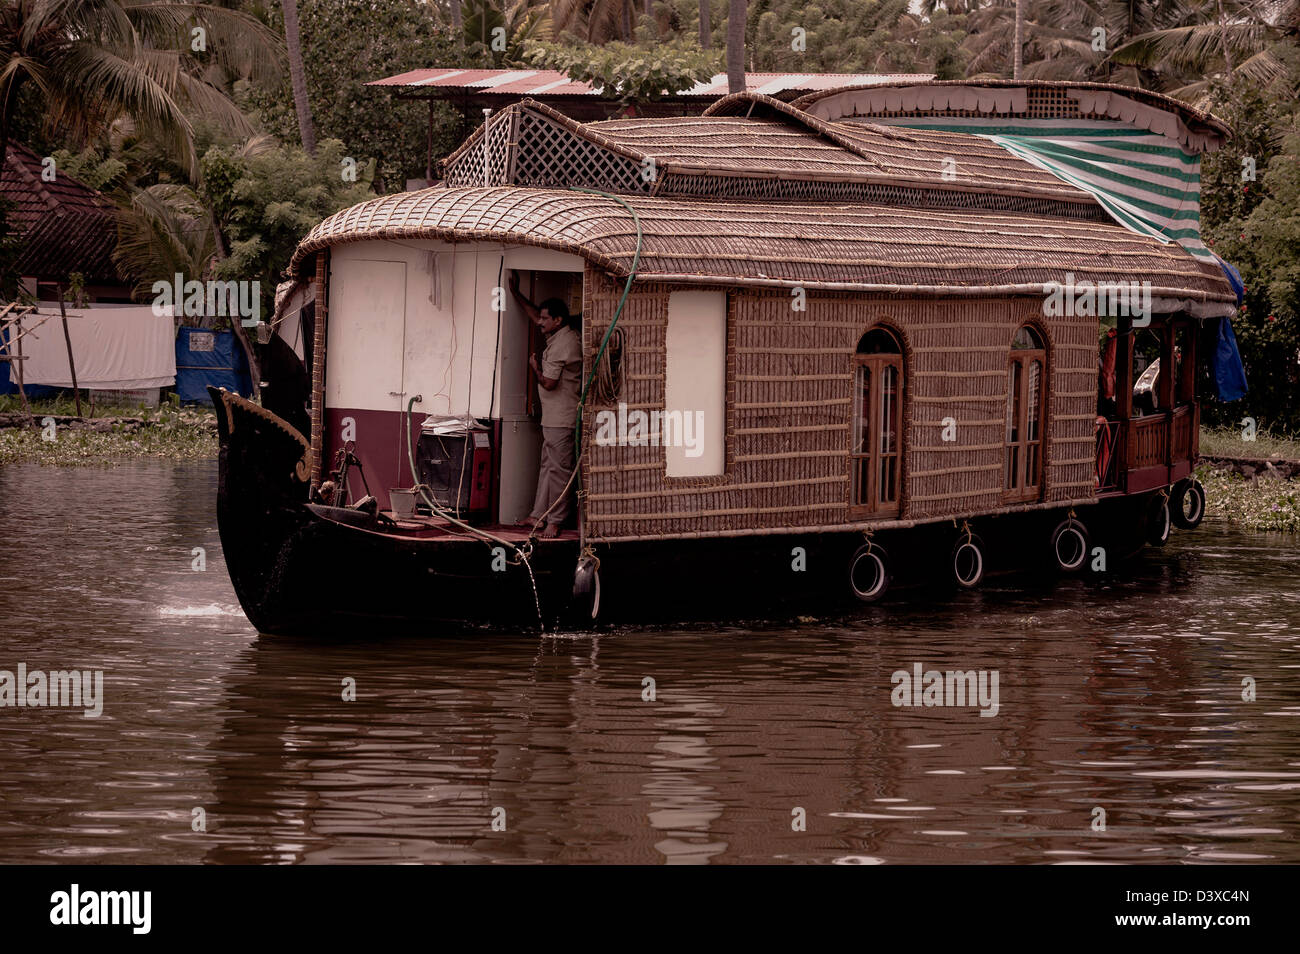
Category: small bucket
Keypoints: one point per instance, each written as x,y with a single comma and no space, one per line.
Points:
403,503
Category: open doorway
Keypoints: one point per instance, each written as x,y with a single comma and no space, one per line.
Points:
540,370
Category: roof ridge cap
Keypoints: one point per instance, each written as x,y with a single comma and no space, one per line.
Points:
1168,102
802,116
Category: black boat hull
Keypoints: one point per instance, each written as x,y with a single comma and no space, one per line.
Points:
296,571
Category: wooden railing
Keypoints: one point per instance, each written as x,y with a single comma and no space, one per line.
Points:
1146,452
1148,441
1184,433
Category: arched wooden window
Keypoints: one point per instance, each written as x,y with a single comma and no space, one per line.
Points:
876,464
1026,404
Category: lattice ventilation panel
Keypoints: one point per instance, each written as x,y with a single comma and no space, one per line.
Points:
497,142
1040,103
526,149
550,155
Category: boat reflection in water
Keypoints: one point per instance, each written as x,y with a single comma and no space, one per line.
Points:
1105,701
1121,692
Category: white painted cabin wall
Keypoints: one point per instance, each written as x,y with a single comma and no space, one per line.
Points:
363,356
397,330
446,345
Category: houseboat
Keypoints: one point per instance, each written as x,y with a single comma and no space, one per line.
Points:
919,331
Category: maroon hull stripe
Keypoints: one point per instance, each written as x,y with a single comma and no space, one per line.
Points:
379,447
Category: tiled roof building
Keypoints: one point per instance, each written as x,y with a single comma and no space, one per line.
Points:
64,226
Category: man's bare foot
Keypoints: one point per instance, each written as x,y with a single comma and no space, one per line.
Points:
550,531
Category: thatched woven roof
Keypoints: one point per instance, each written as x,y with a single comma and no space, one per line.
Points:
786,152
1196,129
858,247
718,145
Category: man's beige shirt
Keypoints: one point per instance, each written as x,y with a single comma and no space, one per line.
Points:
562,359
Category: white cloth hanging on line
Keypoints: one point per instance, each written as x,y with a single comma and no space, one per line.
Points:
114,346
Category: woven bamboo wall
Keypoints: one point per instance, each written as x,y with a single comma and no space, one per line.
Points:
789,410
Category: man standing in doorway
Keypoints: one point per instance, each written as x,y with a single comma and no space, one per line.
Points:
557,373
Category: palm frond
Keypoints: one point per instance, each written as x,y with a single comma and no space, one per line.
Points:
242,44
92,85
163,230
1198,47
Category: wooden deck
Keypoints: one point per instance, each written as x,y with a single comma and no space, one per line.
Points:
435,526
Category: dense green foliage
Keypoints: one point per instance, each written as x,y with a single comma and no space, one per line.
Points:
1264,244
264,203
849,36
346,44
630,72
1250,215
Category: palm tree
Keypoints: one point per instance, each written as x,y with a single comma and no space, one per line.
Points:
1173,45
706,27
166,230
736,14
93,61
522,20
1232,38
298,77
1053,39
1019,66
596,21
162,230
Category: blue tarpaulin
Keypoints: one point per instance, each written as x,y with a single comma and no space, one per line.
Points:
9,382
1234,279
1229,372
205,357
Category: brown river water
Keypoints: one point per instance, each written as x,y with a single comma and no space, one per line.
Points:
764,743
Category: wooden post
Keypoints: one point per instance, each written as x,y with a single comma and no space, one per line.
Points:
9,341
22,391
318,370
1166,385
1187,377
1124,368
1123,395
1189,367
67,339
250,354
428,153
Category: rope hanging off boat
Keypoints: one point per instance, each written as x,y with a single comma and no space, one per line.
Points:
627,287
521,553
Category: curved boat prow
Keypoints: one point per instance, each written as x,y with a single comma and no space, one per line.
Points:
265,472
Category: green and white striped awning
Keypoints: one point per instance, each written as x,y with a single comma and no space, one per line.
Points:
1148,183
